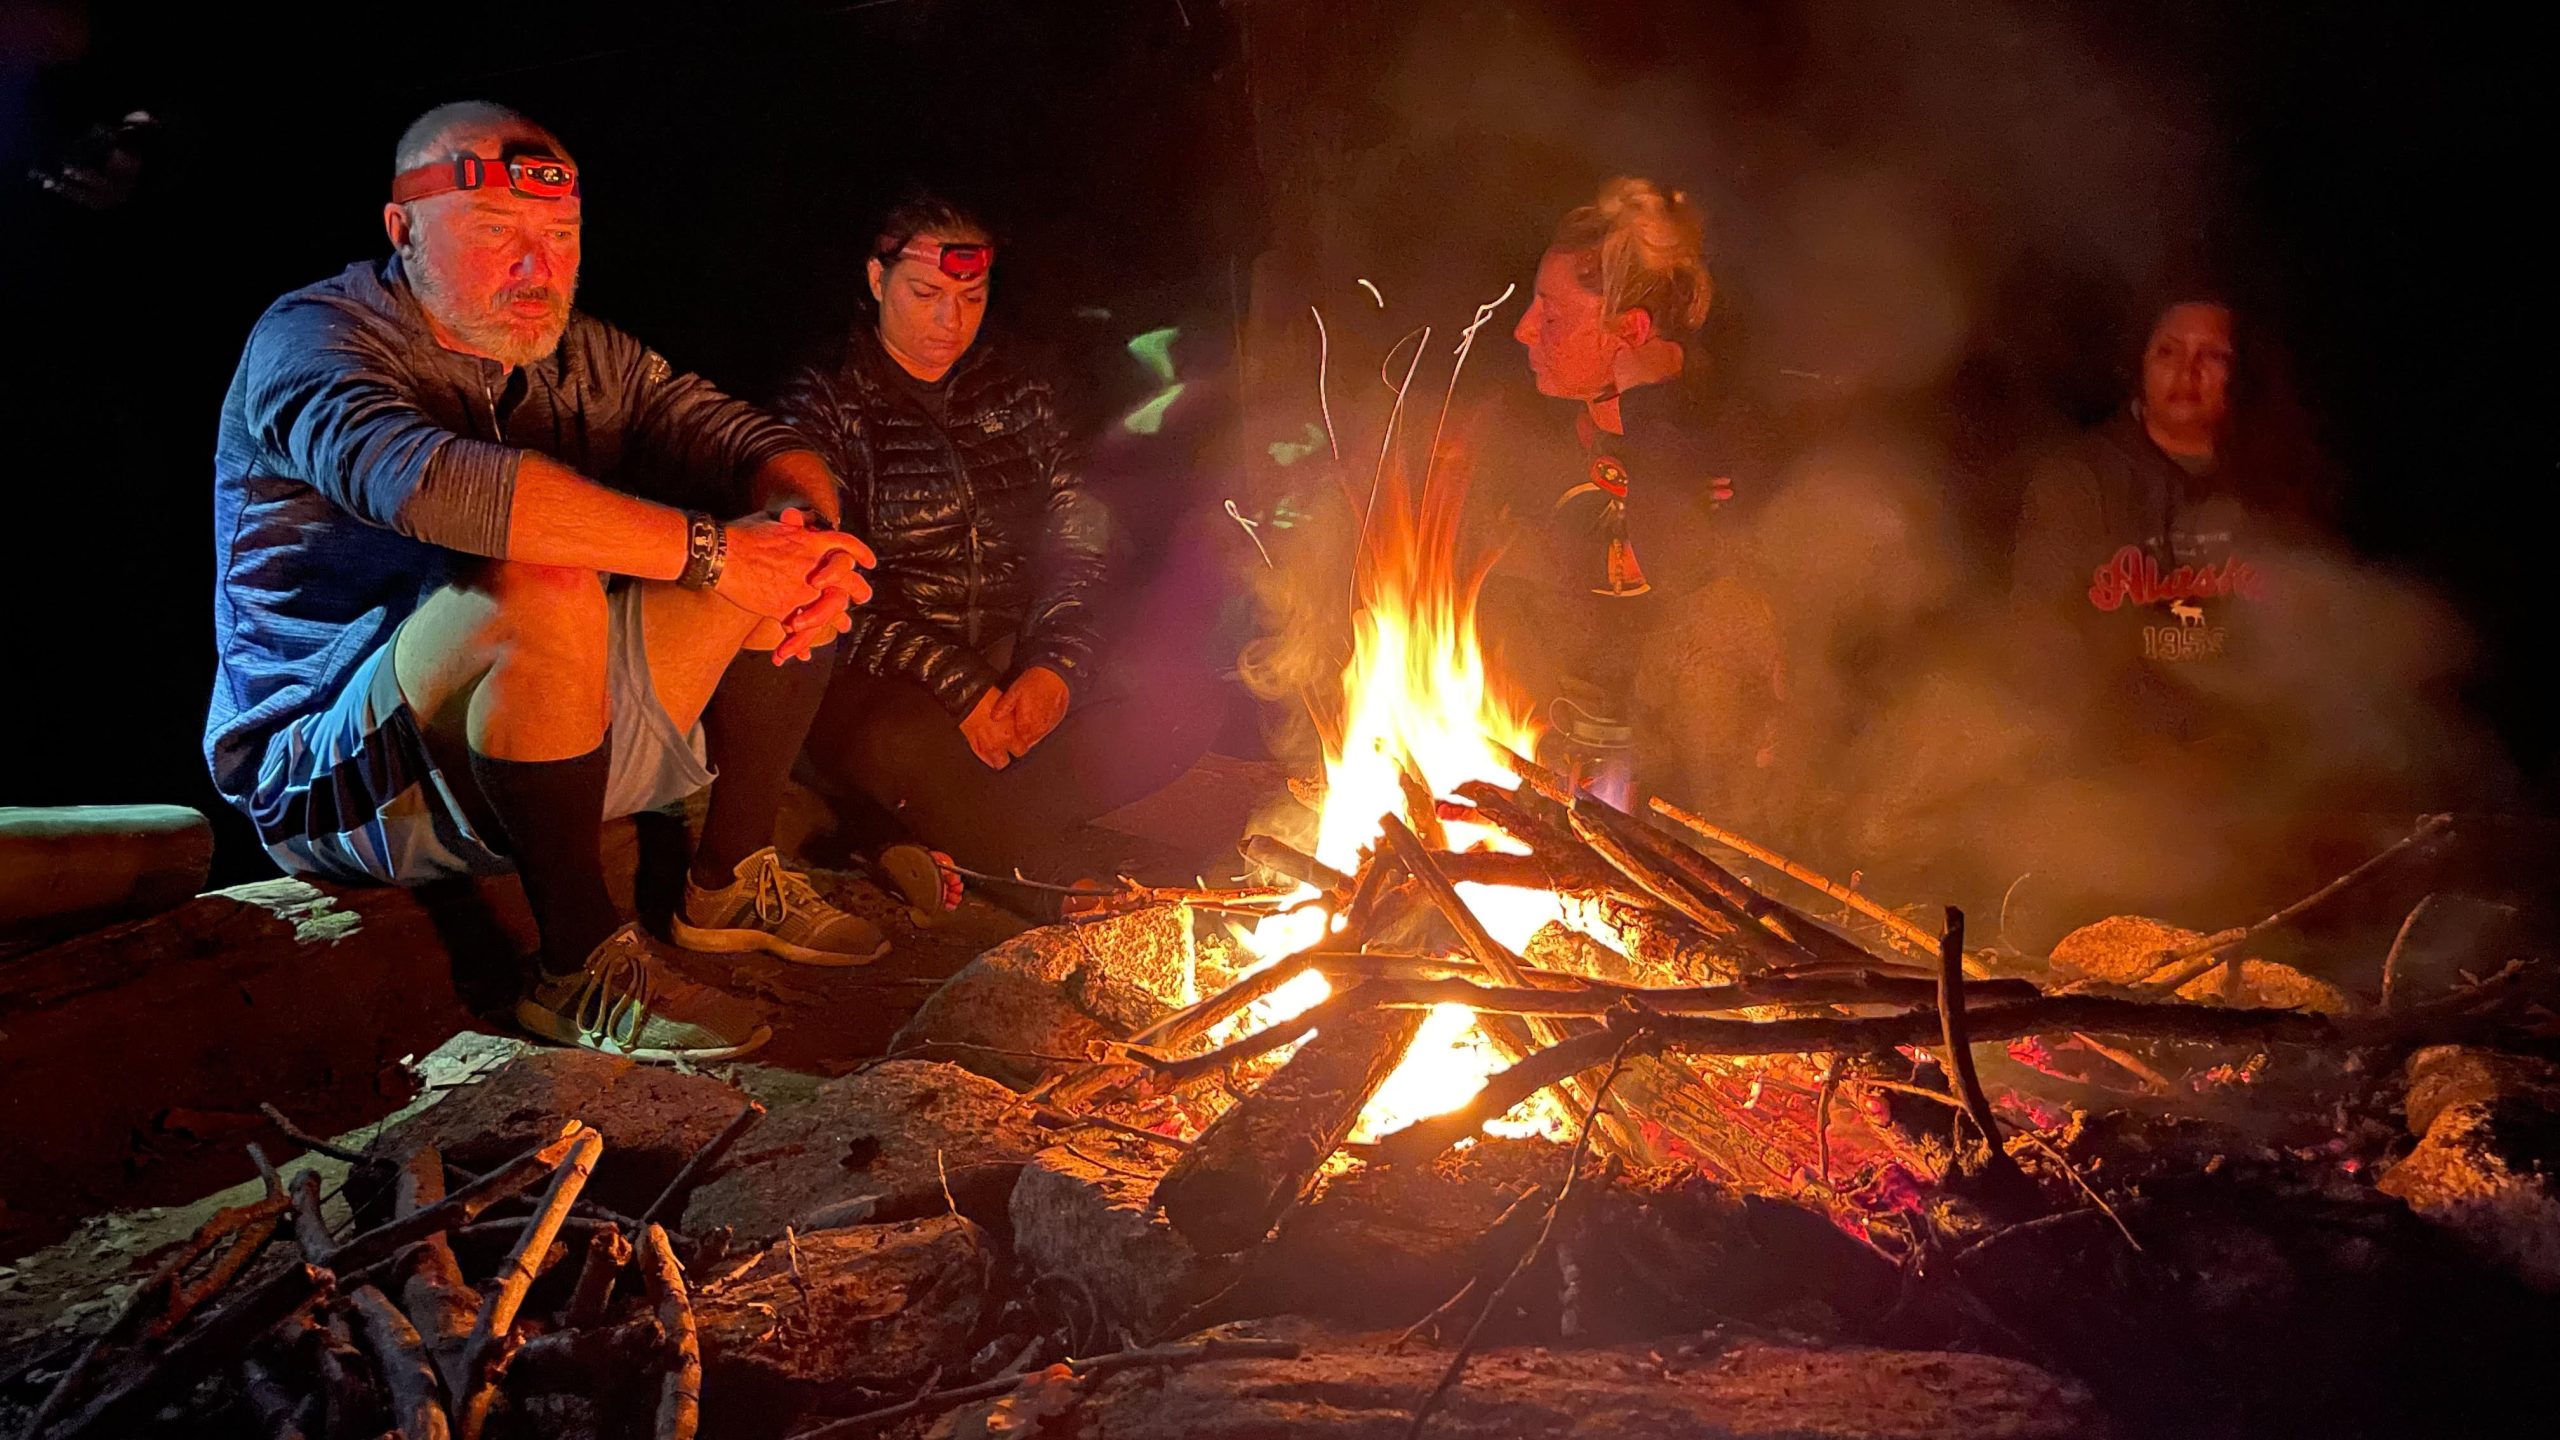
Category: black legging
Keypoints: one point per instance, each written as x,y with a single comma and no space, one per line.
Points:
890,742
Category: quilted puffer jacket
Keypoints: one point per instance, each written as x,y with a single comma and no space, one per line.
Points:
981,522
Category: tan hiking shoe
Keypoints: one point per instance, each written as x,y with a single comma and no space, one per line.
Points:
628,1001
776,911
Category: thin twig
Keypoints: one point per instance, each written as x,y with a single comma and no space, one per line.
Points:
360,1160
2086,1188
1500,1223
709,1154
1529,1257
1060,1120
2185,963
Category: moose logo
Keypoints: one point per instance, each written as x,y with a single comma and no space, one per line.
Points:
2188,612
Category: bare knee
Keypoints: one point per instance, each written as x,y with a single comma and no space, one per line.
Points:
542,609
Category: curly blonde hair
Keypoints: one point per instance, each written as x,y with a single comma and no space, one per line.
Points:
1639,246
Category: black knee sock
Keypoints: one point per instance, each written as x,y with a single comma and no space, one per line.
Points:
553,815
754,728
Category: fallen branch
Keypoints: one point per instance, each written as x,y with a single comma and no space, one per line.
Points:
439,1301
278,1412
1951,1023
310,1231
1161,1357
591,1359
680,1393
608,1254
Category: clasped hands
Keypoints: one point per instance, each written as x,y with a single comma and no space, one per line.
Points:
1009,719
807,580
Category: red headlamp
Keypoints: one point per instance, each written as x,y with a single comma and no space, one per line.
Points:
960,261
536,177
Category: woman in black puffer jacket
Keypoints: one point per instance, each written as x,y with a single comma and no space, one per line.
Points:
966,700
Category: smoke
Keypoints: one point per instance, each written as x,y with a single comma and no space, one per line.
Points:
1932,231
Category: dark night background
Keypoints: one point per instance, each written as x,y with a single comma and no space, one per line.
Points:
2366,170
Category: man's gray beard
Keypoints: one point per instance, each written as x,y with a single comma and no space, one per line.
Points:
509,344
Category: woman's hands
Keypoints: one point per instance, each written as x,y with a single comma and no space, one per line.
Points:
1010,719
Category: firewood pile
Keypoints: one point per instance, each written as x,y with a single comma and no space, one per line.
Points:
476,1305
1724,999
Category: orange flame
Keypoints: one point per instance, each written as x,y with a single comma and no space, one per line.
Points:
1417,697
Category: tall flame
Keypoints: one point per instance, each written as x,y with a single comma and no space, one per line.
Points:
1417,698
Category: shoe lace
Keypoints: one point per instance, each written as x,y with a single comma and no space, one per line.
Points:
781,892
615,1001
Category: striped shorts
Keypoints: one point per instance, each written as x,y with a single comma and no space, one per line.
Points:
350,791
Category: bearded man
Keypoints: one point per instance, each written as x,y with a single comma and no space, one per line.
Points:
457,634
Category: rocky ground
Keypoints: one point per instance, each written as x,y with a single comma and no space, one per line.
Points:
891,1228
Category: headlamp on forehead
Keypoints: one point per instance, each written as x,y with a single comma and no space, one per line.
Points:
960,261
536,177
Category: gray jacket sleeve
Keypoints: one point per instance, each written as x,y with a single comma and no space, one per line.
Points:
334,401
687,426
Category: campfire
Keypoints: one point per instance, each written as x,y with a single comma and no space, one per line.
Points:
1537,1067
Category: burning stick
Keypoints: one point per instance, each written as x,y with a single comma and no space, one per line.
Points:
1669,889
2098,1014
1789,924
1282,858
1603,998
1252,1163
680,1394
